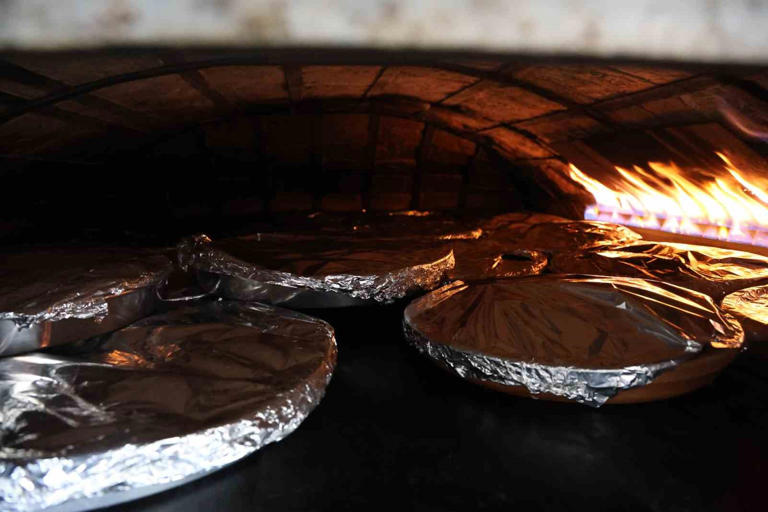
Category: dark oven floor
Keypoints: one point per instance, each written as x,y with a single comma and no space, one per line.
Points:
394,432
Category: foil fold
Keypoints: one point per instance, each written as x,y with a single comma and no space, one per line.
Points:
367,270
163,401
750,307
712,270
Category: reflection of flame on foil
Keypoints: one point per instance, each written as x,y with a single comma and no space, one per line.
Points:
729,207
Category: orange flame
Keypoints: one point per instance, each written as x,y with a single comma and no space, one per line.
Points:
728,207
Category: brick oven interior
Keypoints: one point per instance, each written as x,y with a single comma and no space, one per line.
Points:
144,146
149,145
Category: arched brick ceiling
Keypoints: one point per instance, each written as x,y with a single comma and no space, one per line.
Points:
534,116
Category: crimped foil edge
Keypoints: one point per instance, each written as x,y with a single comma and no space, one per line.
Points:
29,485
196,252
591,387
91,307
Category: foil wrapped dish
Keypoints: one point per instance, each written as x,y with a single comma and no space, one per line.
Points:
156,404
315,271
588,339
57,296
548,233
582,234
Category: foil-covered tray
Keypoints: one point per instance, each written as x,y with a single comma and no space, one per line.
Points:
581,338
516,223
57,296
750,307
571,235
711,270
163,401
300,271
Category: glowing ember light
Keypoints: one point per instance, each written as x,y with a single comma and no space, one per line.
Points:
728,207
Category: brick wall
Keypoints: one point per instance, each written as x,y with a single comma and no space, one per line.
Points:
233,135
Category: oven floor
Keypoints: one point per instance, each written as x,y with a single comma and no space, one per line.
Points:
394,432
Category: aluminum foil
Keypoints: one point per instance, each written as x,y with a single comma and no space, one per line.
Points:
571,235
516,223
711,270
277,268
583,338
167,399
750,307
55,285
486,258
57,296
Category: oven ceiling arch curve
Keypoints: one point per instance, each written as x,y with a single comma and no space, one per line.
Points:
531,117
